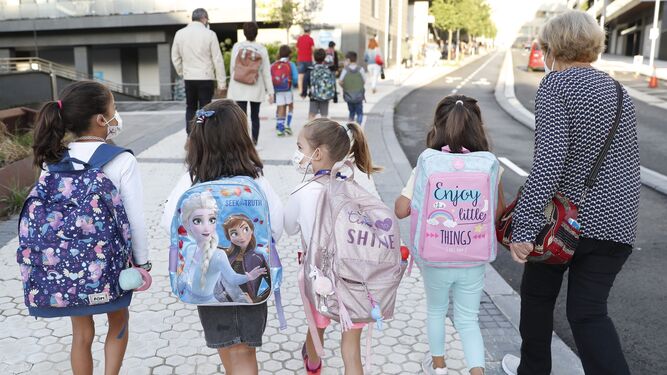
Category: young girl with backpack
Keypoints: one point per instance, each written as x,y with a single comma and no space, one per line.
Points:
321,144
219,146
82,220
457,206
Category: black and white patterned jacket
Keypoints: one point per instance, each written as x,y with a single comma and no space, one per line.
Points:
574,110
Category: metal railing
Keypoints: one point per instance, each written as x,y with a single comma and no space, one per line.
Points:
36,64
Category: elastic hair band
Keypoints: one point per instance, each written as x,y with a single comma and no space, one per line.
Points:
60,104
459,102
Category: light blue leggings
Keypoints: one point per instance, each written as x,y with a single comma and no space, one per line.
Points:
466,285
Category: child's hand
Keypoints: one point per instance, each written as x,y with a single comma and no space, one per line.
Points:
256,272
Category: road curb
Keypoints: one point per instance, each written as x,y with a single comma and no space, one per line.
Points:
509,103
387,151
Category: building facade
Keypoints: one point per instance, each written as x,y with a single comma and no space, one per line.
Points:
129,41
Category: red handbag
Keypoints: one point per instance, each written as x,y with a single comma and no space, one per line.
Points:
559,238
378,59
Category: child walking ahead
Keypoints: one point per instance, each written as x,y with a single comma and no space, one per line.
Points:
459,206
76,226
234,331
320,144
352,81
320,84
285,76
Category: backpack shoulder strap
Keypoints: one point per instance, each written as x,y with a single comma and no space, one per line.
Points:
104,154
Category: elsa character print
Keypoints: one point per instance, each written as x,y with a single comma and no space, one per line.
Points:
204,263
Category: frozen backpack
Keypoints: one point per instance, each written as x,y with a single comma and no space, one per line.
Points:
281,76
221,249
352,266
322,83
74,235
453,208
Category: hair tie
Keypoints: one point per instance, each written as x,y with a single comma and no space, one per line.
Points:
60,104
459,102
203,115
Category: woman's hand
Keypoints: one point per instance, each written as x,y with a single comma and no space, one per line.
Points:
520,251
256,272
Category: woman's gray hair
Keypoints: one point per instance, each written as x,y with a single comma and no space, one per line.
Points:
573,36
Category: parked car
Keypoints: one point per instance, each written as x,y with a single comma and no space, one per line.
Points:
535,61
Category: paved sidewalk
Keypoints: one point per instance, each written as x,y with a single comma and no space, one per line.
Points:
165,335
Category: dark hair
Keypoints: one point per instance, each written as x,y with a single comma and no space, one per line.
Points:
284,51
458,123
352,56
250,30
72,113
323,132
332,44
221,145
319,55
199,13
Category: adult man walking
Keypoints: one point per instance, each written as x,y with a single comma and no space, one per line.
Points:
197,58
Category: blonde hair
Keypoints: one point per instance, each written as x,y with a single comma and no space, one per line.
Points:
195,202
573,36
323,132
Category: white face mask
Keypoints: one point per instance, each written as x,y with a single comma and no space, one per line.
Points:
114,130
548,70
296,162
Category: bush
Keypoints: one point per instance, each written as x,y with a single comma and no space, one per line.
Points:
14,147
13,201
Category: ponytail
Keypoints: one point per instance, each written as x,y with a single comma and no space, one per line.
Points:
78,103
458,124
48,147
359,150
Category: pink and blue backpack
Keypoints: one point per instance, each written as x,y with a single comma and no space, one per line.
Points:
74,236
453,208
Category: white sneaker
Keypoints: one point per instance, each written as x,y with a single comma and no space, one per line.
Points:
511,364
427,366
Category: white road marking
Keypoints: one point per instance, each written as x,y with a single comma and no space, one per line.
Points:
513,166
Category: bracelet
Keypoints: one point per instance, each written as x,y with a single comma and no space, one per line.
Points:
147,266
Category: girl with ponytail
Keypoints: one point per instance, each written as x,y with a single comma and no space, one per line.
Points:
321,144
219,145
87,113
458,125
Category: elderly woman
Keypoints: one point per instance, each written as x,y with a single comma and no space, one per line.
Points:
575,109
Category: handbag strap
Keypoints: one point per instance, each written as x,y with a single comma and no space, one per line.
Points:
590,180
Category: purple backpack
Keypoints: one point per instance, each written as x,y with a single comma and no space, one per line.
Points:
74,235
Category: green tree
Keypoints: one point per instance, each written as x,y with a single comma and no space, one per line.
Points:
293,12
448,16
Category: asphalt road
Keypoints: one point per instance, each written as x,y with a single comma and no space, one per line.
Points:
638,300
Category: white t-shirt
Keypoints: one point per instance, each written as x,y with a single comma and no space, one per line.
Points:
300,209
184,183
123,171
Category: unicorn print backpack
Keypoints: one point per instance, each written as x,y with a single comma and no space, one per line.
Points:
74,237
221,246
453,208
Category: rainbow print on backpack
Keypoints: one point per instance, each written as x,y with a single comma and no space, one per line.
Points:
453,208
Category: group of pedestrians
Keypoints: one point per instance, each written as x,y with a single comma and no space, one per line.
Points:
317,74
569,131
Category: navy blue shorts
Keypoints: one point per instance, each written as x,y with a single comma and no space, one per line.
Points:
225,326
303,66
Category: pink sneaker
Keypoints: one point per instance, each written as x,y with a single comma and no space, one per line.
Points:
316,371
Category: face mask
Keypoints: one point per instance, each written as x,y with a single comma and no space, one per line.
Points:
548,70
296,162
114,130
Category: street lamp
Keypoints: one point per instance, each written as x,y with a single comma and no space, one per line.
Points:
653,34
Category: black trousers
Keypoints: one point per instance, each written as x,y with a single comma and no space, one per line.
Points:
254,117
198,93
593,270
